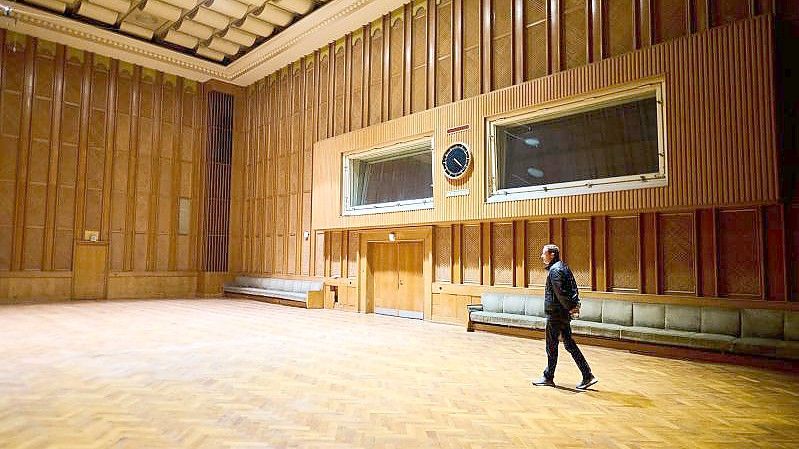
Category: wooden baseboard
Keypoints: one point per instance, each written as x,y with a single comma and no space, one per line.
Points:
672,352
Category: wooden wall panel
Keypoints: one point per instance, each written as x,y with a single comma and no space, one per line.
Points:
339,86
472,53
335,254
677,253
501,43
396,58
537,237
90,144
671,19
727,11
471,250
536,41
573,33
618,23
418,47
353,243
702,142
443,253
444,52
739,246
502,252
356,83
623,253
319,258
576,249
388,58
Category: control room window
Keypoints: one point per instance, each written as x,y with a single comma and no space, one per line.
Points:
395,178
610,142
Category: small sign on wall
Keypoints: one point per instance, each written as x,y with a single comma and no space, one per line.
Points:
458,192
456,129
91,236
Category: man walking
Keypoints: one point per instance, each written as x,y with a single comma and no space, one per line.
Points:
561,303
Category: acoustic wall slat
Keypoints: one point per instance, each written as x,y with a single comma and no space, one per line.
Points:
619,19
574,34
501,43
471,67
677,243
470,251
739,267
536,41
623,253
444,52
22,210
356,82
443,253
376,87
10,105
537,237
576,249
396,54
418,79
353,244
218,167
502,254
671,19
319,259
335,254
700,151
339,94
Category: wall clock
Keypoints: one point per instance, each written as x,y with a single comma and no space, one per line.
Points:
456,161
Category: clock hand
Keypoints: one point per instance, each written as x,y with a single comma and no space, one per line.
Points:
458,162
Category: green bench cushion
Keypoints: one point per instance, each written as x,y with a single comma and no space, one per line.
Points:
683,318
617,312
791,329
504,319
593,329
649,315
591,310
760,323
717,320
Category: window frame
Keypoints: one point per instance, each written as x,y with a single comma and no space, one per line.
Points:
576,106
394,150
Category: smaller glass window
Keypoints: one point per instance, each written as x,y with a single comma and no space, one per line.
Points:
396,178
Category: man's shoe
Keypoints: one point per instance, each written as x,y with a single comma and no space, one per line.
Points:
587,382
544,381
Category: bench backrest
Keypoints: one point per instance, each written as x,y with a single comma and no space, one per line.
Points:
281,284
759,323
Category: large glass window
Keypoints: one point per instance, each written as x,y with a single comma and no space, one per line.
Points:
399,177
605,143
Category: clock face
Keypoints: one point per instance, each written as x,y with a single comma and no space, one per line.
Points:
456,161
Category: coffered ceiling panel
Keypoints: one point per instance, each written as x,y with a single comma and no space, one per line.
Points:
236,41
217,30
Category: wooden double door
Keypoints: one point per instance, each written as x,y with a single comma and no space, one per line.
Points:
397,276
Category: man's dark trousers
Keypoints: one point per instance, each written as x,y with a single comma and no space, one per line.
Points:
557,326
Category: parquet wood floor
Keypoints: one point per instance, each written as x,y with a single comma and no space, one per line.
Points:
244,374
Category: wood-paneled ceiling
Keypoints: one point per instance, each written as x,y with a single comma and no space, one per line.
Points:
218,30
236,41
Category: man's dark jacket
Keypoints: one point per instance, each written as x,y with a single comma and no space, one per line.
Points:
561,293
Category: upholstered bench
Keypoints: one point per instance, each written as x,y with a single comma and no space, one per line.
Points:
759,332
292,292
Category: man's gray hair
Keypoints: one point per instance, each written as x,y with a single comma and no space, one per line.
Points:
553,249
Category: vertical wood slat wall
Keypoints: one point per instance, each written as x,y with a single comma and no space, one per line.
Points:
219,153
88,143
654,253
425,54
